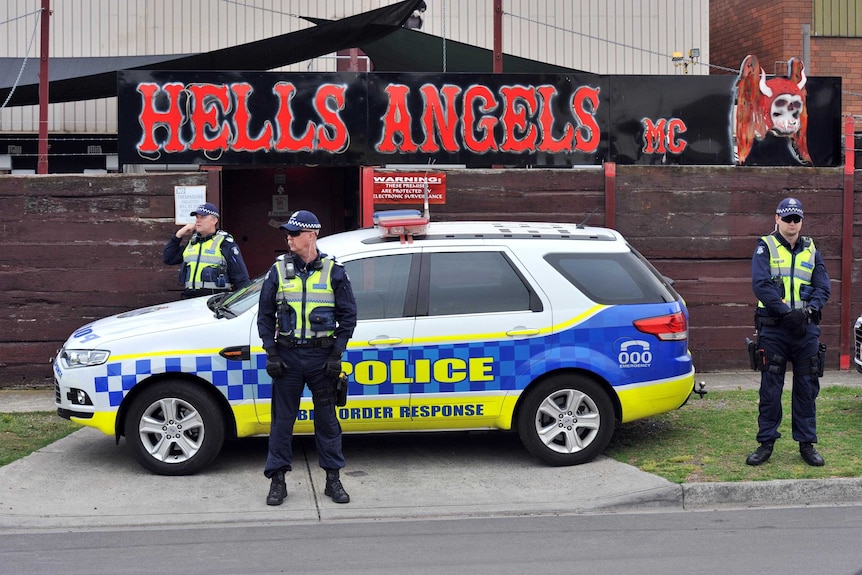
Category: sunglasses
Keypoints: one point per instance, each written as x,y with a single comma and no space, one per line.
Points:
296,233
791,219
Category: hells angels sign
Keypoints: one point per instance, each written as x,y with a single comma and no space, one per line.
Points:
517,120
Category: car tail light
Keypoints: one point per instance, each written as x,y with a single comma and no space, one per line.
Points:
673,327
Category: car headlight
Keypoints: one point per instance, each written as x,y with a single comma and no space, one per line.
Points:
84,357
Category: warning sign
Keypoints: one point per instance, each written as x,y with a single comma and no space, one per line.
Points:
409,188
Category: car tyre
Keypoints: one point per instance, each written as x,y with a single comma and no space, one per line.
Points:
174,428
566,420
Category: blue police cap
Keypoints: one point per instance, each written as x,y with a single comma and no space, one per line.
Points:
301,220
789,207
206,209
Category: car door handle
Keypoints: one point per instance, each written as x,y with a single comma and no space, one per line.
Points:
522,331
384,340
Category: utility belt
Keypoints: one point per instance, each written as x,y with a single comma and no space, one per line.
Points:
291,343
772,320
763,360
761,320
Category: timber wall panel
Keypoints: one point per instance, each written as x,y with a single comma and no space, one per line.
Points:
77,248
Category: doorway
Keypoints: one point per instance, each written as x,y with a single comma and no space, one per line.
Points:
255,201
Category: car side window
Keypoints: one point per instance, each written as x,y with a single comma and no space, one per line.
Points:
612,279
380,285
474,282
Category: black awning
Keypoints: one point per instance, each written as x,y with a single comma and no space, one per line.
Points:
97,77
411,51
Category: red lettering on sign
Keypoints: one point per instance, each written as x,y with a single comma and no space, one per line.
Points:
206,99
243,142
481,99
397,121
546,124
660,137
444,117
286,141
585,104
514,119
518,134
676,126
332,134
151,119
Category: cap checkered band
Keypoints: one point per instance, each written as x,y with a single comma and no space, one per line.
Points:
788,207
206,210
294,221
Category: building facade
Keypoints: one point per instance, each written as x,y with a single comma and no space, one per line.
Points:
825,33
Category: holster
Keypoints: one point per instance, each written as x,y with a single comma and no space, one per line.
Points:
752,353
821,359
341,390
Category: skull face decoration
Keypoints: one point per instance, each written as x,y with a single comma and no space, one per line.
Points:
785,107
776,106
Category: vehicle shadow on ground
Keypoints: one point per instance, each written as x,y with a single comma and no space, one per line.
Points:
451,448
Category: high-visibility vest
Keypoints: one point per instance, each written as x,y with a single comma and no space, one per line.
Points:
795,271
312,301
201,255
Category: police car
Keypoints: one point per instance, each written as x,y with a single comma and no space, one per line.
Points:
558,331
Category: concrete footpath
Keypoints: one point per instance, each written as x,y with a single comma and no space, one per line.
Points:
85,481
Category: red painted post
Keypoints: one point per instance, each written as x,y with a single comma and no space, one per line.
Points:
366,197
610,194
42,161
845,336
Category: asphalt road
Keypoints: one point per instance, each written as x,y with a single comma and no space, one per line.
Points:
763,541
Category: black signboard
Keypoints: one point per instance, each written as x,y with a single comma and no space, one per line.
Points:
478,120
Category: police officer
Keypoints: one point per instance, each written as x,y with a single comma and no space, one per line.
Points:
307,314
791,284
211,259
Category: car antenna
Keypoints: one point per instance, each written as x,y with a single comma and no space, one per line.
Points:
589,215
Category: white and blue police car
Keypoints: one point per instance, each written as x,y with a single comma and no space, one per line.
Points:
558,331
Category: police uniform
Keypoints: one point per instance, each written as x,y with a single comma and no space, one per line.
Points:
211,264
792,286
306,316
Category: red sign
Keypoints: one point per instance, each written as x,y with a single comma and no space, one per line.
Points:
409,188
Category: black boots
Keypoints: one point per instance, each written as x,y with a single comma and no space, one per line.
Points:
806,450
334,488
810,455
762,454
277,489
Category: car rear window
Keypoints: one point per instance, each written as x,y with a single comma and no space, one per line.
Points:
614,279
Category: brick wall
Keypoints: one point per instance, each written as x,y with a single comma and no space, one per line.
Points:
772,31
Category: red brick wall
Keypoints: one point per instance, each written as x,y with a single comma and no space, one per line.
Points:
772,31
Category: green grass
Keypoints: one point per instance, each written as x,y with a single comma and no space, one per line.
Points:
708,439
23,433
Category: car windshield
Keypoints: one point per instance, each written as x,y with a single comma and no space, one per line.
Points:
238,302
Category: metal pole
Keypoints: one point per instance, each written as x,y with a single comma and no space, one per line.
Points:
42,162
498,36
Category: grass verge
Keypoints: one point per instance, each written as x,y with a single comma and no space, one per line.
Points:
23,433
708,439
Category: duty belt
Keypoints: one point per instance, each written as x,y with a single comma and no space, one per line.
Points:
315,342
